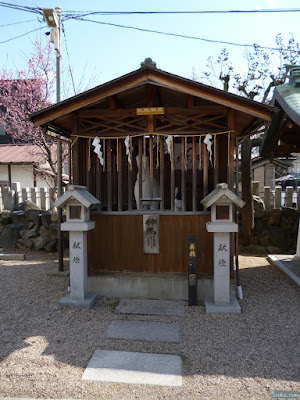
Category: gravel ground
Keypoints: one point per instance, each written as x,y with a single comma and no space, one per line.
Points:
44,349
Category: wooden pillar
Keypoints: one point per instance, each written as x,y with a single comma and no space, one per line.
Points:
183,154
230,151
70,162
216,160
172,175
9,174
129,184
150,102
151,164
162,172
75,150
139,206
119,163
195,174
205,170
108,169
88,164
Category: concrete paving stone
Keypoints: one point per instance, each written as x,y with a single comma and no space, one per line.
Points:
134,368
144,330
5,256
288,265
151,307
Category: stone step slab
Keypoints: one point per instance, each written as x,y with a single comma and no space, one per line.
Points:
144,330
134,368
151,307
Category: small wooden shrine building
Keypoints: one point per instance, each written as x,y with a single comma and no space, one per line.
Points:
151,144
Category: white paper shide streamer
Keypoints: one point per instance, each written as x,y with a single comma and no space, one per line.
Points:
97,149
127,145
169,141
208,141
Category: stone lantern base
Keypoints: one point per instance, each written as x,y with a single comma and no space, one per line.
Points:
222,308
88,302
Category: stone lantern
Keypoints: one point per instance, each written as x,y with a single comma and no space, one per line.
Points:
221,200
78,201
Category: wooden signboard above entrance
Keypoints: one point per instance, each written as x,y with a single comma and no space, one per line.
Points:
150,110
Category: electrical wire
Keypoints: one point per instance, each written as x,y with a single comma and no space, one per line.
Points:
177,35
73,13
24,34
79,16
67,51
17,23
35,10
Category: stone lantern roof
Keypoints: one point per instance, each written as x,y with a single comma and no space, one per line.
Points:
222,192
78,193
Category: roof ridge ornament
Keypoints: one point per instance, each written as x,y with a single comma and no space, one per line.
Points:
294,76
148,63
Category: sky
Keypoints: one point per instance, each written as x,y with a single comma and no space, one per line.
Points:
99,53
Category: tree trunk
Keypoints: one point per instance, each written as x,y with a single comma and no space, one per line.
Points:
246,176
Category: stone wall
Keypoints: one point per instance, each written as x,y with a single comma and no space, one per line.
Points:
276,229
29,229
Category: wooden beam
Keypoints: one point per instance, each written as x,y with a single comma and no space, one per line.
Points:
217,96
131,112
190,101
83,100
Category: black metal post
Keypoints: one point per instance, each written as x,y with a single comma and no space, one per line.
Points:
192,270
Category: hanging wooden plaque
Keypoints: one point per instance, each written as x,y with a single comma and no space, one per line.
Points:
150,110
151,234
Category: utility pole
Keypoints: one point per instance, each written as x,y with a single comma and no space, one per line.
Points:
53,20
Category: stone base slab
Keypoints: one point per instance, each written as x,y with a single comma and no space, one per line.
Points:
4,256
148,331
89,301
150,287
212,308
151,307
134,368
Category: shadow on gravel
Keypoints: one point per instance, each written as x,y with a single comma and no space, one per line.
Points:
262,342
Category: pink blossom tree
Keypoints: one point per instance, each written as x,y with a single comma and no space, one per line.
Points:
22,93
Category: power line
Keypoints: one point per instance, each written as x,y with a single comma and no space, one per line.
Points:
176,34
73,13
24,34
79,15
67,51
17,23
13,6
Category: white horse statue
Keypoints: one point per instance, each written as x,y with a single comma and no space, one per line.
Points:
147,205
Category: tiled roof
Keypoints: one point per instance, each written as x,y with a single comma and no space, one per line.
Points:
20,154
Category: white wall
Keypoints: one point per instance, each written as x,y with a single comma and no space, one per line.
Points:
3,173
22,174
